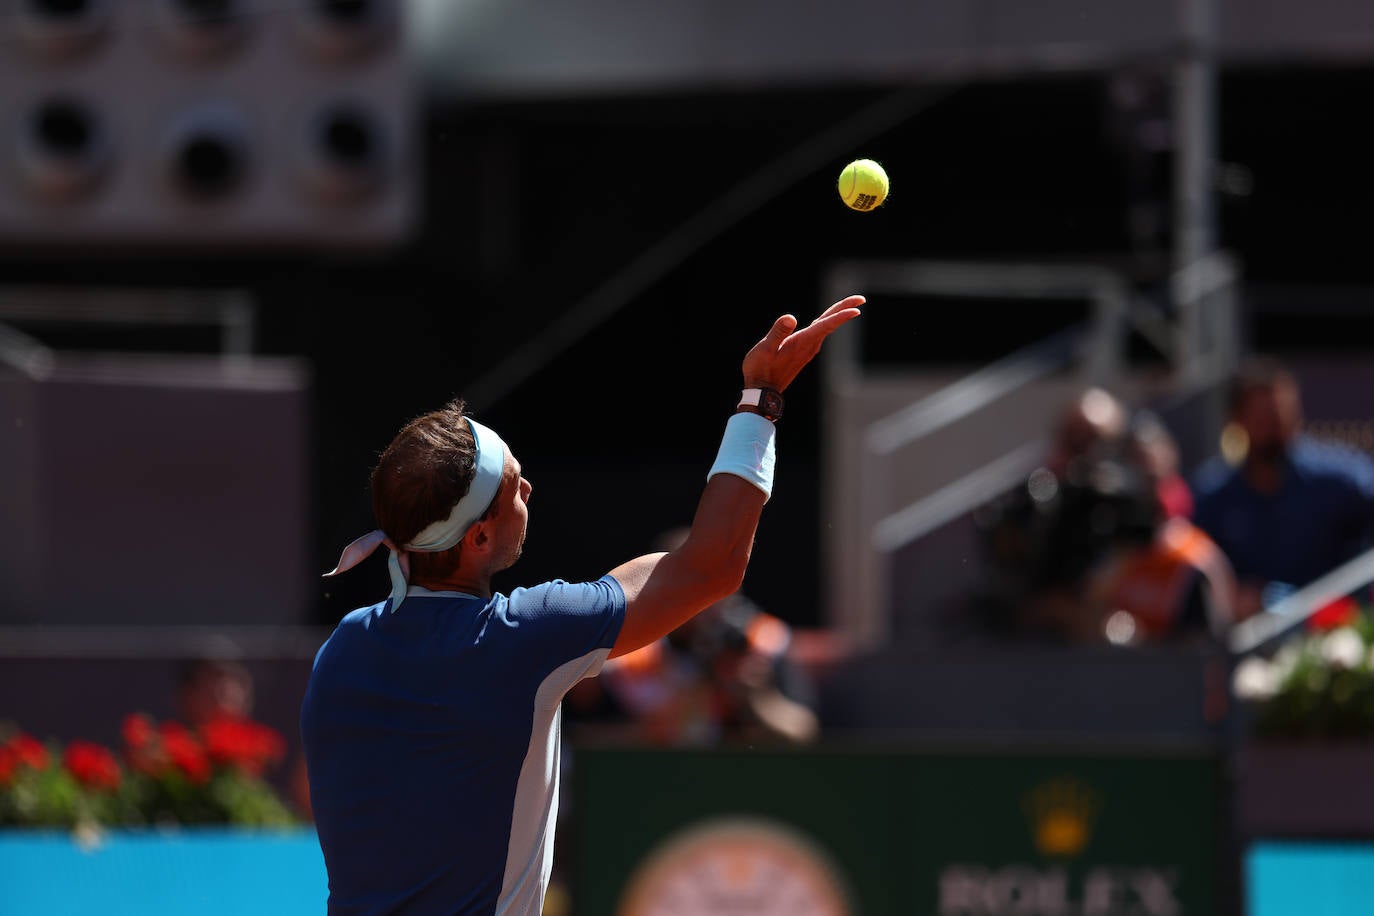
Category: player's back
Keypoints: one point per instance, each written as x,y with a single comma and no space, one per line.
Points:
415,730
431,740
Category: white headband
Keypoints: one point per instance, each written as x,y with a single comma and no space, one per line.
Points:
489,468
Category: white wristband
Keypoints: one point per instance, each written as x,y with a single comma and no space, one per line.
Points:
747,450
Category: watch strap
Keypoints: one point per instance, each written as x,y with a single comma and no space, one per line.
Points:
765,401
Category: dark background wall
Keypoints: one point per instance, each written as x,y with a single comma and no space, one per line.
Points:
530,206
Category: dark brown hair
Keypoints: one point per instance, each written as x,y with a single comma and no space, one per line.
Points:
419,478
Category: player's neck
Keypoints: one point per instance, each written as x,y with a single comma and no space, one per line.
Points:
460,580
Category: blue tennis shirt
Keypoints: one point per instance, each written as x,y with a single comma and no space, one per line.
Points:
431,736
1321,515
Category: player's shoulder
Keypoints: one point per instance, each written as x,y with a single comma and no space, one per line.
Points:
346,633
559,596
568,620
360,618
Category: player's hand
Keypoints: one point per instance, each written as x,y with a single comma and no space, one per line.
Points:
784,351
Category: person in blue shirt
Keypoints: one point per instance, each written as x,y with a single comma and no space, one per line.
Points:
431,721
1287,508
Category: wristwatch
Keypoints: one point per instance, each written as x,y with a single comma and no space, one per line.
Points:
765,401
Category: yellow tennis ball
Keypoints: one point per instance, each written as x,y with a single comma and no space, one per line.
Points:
863,185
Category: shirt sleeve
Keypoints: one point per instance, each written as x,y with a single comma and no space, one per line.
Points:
558,622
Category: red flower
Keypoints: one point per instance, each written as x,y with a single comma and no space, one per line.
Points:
173,729
241,743
138,730
9,762
142,745
1334,615
29,752
185,752
92,765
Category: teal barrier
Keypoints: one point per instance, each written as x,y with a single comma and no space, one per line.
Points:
208,872
1309,879
835,820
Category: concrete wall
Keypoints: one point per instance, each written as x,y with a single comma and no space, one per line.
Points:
155,491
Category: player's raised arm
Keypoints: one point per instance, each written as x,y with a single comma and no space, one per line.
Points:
663,591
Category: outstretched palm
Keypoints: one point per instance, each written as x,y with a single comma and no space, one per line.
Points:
784,351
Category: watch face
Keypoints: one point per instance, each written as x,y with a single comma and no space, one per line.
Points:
741,867
770,403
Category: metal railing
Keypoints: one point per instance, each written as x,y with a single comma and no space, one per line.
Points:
21,352
232,312
1292,611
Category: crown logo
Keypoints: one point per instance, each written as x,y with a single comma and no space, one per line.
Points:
1061,813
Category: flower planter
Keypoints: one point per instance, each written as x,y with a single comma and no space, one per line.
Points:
1306,789
209,871
172,776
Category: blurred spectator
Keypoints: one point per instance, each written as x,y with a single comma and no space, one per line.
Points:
725,675
1094,420
1175,584
1284,507
213,688
591,711
1098,544
1154,448
1040,540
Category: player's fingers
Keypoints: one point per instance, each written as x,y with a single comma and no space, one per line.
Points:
826,324
803,346
779,332
849,302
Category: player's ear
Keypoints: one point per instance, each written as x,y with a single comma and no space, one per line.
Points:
476,538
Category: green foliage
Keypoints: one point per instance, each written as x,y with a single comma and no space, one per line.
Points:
1319,685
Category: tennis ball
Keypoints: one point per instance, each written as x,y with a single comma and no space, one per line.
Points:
863,185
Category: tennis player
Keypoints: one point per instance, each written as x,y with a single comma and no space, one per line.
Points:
431,720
